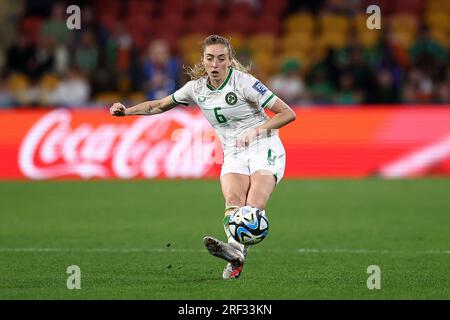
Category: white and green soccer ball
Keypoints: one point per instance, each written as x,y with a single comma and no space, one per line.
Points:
248,225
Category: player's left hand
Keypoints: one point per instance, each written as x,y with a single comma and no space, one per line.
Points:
246,138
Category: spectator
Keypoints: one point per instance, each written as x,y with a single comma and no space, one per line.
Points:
383,90
86,54
288,84
321,90
21,55
347,93
45,57
160,71
6,98
56,28
73,90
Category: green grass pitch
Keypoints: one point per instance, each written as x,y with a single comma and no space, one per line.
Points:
143,240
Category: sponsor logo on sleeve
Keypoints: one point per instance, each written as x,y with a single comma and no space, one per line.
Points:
258,86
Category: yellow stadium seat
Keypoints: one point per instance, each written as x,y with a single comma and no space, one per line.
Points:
359,22
108,97
191,57
264,62
438,21
48,82
17,82
299,41
332,39
335,23
136,97
237,40
300,22
441,38
437,5
262,42
368,38
192,41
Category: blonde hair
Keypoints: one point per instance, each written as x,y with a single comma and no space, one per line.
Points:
198,71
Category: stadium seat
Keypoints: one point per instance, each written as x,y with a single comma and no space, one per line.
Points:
136,97
300,22
441,38
178,7
297,42
438,21
437,6
191,42
191,57
237,40
48,81
169,23
368,38
334,23
411,6
359,22
242,8
264,62
140,6
17,82
385,5
268,23
213,8
202,23
236,23
331,39
108,97
32,27
263,42
275,7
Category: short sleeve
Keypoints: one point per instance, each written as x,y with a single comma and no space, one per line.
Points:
184,95
257,93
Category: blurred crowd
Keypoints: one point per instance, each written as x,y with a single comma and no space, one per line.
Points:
312,52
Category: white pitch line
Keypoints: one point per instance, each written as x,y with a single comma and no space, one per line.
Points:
300,250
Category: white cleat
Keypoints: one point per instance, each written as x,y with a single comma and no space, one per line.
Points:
225,251
230,272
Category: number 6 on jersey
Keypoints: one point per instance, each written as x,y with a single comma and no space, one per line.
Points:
220,118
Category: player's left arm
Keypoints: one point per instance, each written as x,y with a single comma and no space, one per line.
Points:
283,115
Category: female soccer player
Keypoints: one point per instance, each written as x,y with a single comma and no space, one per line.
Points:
233,101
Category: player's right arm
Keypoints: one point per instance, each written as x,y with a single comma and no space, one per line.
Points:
146,108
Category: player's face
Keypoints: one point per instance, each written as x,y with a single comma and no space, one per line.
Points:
216,61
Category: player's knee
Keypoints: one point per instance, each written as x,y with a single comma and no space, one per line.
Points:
234,199
258,201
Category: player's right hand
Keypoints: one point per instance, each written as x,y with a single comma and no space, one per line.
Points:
117,109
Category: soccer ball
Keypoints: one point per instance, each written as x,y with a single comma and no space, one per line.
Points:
248,225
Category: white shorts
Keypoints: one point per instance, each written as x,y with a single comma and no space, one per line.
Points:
263,154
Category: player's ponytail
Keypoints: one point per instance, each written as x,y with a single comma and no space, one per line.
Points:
198,71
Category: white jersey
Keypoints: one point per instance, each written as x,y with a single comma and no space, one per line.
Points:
237,105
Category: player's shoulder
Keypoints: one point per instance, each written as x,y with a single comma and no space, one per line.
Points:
240,76
244,81
196,85
241,80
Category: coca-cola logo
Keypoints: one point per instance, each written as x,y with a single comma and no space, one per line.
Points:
148,147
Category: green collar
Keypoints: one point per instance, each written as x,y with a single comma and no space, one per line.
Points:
210,87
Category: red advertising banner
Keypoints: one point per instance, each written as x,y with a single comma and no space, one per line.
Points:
323,142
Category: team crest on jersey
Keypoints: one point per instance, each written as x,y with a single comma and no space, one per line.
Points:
231,98
258,86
